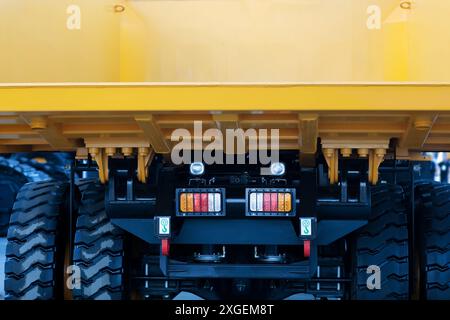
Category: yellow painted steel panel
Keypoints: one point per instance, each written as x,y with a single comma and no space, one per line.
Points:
37,46
261,61
218,97
223,41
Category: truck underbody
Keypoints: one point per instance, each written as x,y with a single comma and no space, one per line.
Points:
366,193
111,233
228,149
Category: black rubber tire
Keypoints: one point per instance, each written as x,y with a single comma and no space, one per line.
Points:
13,175
35,250
54,163
27,170
10,183
384,242
99,249
435,240
84,184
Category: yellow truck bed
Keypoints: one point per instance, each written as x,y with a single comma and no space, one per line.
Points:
346,115
101,73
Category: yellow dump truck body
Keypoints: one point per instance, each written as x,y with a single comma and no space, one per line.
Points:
354,73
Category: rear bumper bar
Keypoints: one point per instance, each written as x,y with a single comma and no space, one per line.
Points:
180,270
253,231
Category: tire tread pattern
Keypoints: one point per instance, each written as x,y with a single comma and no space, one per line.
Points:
31,248
435,204
384,242
99,249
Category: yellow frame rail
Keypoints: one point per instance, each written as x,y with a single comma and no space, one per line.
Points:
225,97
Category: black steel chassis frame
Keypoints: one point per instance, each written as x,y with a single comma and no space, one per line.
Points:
336,219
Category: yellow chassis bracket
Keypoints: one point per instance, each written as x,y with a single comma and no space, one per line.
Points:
104,117
331,157
224,97
376,157
101,156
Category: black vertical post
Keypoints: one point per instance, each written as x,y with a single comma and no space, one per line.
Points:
412,236
308,203
308,192
444,171
71,206
395,164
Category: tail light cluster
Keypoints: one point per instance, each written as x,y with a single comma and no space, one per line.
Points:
200,202
270,202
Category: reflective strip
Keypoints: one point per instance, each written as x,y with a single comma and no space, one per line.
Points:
281,202
287,202
211,202
183,207
259,201
266,204
190,202
204,202
217,202
197,203
274,202
253,201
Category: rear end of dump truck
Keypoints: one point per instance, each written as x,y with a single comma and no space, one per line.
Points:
227,149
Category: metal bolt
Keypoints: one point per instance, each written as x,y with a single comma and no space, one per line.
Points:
346,152
118,8
363,152
407,5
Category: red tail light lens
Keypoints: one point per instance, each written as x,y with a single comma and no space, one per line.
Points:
270,202
200,202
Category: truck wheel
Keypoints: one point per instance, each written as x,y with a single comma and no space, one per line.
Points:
14,175
51,163
383,244
435,240
35,247
32,174
99,249
10,183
